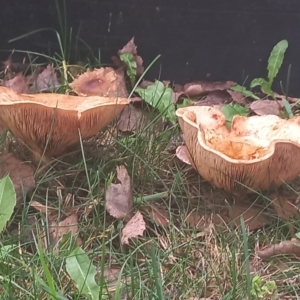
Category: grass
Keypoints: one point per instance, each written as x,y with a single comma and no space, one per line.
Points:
177,261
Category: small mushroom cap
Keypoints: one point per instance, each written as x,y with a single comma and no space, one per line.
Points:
51,122
100,82
257,153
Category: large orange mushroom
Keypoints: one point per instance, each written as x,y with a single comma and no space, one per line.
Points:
257,153
50,123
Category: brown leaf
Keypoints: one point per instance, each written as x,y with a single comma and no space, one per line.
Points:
46,80
18,84
158,215
237,97
284,208
57,229
181,153
134,228
130,47
266,107
200,88
130,119
254,218
119,199
215,99
20,173
291,247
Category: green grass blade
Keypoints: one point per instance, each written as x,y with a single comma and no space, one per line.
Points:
247,261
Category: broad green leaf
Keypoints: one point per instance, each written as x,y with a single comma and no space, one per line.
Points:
83,272
244,91
186,102
265,85
161,98
257,82
7,200
130,62
5,250
276,59
230,111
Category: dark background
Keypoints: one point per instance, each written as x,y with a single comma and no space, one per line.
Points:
198,39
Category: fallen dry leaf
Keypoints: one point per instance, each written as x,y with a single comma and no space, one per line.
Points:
46,81
118,198
291,247
158,215
17,84
266,107
56,229
181,153
215,99
284,207
20,173
130,47
253,216
237,97
134,228
200,88
130,119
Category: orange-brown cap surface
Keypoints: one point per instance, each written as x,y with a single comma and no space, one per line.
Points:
257,153
53,121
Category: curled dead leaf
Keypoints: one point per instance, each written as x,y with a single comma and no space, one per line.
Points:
290,247
118,198
134,228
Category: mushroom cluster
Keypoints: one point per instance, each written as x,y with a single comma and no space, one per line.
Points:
50,123
256,153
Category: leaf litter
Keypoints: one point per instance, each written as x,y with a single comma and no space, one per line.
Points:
134,228
118,197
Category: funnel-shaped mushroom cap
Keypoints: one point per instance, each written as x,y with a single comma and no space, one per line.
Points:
100,82
53,121
257,153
